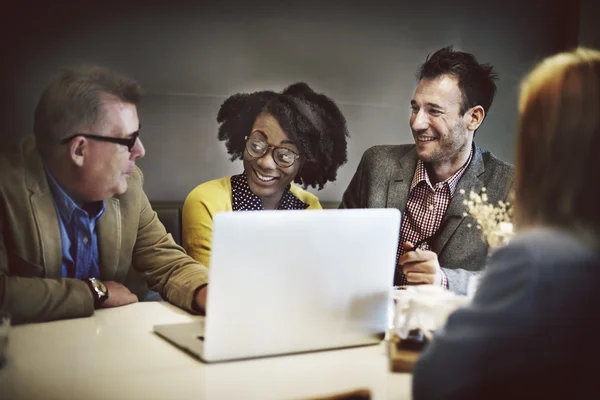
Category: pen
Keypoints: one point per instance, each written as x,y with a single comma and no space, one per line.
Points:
425,240
420,242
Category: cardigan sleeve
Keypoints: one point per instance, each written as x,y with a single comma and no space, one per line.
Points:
198,210
306,197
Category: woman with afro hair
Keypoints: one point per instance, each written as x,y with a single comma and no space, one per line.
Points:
294,136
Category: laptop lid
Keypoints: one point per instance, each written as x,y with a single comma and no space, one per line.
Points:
294,281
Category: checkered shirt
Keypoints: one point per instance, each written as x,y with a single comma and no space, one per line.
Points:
425,208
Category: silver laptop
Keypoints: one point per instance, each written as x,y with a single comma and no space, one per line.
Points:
286,282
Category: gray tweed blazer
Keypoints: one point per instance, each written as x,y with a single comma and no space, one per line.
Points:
383,180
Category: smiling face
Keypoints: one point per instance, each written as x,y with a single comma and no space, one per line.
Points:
106,166
439,129
266,179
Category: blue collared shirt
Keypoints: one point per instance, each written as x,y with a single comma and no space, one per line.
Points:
78,233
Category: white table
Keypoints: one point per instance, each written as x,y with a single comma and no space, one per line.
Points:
115,355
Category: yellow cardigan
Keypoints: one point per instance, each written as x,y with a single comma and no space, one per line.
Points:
208,199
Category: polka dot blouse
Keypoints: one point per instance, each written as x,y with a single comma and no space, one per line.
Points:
245,200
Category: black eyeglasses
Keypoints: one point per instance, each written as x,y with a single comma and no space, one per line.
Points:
283,157
129,142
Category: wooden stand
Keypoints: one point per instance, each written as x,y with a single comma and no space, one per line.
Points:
401,360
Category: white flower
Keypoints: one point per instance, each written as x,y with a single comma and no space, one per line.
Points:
494,221
506,227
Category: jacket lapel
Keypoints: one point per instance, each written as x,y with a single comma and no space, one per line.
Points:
454,214
399,185
44,213
109,239
50,244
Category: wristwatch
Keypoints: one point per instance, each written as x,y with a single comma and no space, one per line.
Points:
98,289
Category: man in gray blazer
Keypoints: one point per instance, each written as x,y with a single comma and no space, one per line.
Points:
426,180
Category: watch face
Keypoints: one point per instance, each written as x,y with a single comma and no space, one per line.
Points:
102,286
99,285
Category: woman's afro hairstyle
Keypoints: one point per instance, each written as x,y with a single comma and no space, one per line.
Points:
311,120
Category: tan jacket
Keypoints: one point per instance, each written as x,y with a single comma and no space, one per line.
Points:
129,235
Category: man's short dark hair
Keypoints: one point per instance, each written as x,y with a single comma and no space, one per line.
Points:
311,120
475,80
74,97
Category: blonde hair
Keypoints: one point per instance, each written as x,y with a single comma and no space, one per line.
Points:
558,144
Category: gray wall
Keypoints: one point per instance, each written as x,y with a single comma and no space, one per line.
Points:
589,30
363,54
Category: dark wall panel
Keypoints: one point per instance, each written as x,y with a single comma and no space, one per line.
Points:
190,58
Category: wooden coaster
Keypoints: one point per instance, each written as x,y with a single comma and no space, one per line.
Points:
401,360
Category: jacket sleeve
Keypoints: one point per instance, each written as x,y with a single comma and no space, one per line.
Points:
35,299
315,204
499,186
165,265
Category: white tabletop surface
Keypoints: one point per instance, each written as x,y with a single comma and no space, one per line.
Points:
115,355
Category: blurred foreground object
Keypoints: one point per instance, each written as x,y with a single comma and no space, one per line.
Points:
419,311
4,329
358,394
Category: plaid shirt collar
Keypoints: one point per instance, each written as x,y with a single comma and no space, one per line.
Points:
422,176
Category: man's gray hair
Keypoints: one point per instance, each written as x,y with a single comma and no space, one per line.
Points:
73,98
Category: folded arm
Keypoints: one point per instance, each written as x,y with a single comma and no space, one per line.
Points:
165,265
36,299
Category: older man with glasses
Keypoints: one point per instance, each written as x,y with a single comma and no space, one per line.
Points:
74,218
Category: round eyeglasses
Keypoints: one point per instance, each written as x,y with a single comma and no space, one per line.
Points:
283,157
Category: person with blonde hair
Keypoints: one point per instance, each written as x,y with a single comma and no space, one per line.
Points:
530,331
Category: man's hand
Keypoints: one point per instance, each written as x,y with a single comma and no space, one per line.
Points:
118,295
420,266
200,299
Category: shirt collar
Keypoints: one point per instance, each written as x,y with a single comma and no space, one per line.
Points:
66,206
245,200
422,176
